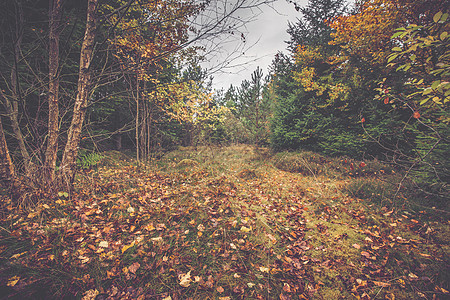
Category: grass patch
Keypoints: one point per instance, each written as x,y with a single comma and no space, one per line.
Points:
236,222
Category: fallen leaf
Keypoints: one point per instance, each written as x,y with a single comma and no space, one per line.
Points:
13,281
90,295
134,267
83,259
365,254
382,284
103,244
425,255
264,269
220,289
126,247
245,229
185,279
250,284
356,246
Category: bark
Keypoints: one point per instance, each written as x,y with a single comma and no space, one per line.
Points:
7,172
53,90
12,104
68,164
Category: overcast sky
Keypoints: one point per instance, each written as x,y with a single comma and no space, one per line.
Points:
265,36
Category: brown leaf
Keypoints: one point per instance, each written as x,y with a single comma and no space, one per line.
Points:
287,288
134,267
382,284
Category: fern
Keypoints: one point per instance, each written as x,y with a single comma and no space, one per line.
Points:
87,160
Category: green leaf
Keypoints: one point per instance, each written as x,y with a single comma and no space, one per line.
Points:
392,57
435,84
443,35
427,91
397,34
413,57
397,49
424,101
444,17
437,17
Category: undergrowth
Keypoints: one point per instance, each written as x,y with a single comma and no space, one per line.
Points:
227,223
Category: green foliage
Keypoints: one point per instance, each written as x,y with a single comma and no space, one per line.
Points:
88,160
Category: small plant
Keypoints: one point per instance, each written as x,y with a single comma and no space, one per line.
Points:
87,160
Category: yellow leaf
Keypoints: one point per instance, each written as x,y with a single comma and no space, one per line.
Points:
18,255
126,247
13,281
245,229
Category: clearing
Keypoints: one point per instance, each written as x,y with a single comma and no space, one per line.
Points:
228,223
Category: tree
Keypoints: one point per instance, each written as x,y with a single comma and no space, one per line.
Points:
159,32
311,90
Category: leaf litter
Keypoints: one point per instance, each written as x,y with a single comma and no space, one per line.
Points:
207,232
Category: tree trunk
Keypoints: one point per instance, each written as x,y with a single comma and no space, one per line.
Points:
53,89
68,163
7,172
12,105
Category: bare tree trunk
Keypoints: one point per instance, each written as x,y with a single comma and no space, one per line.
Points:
67,170
53,89
12,105
7,171
137,119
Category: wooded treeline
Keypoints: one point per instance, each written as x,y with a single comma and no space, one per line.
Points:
371,80
78,75
368,81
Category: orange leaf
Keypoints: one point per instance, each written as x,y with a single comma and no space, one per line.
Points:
386,100
416,115
365,254
382,284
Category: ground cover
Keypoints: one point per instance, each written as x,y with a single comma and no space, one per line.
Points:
227,223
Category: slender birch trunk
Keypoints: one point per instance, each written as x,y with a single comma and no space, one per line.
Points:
68,164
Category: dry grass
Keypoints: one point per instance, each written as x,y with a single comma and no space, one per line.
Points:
243,222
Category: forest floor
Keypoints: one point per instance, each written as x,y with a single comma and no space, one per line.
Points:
228,223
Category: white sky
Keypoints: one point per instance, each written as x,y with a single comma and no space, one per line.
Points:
265,36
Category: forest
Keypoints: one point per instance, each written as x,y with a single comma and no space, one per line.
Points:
124,174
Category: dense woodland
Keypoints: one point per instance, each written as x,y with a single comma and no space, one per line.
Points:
362,89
